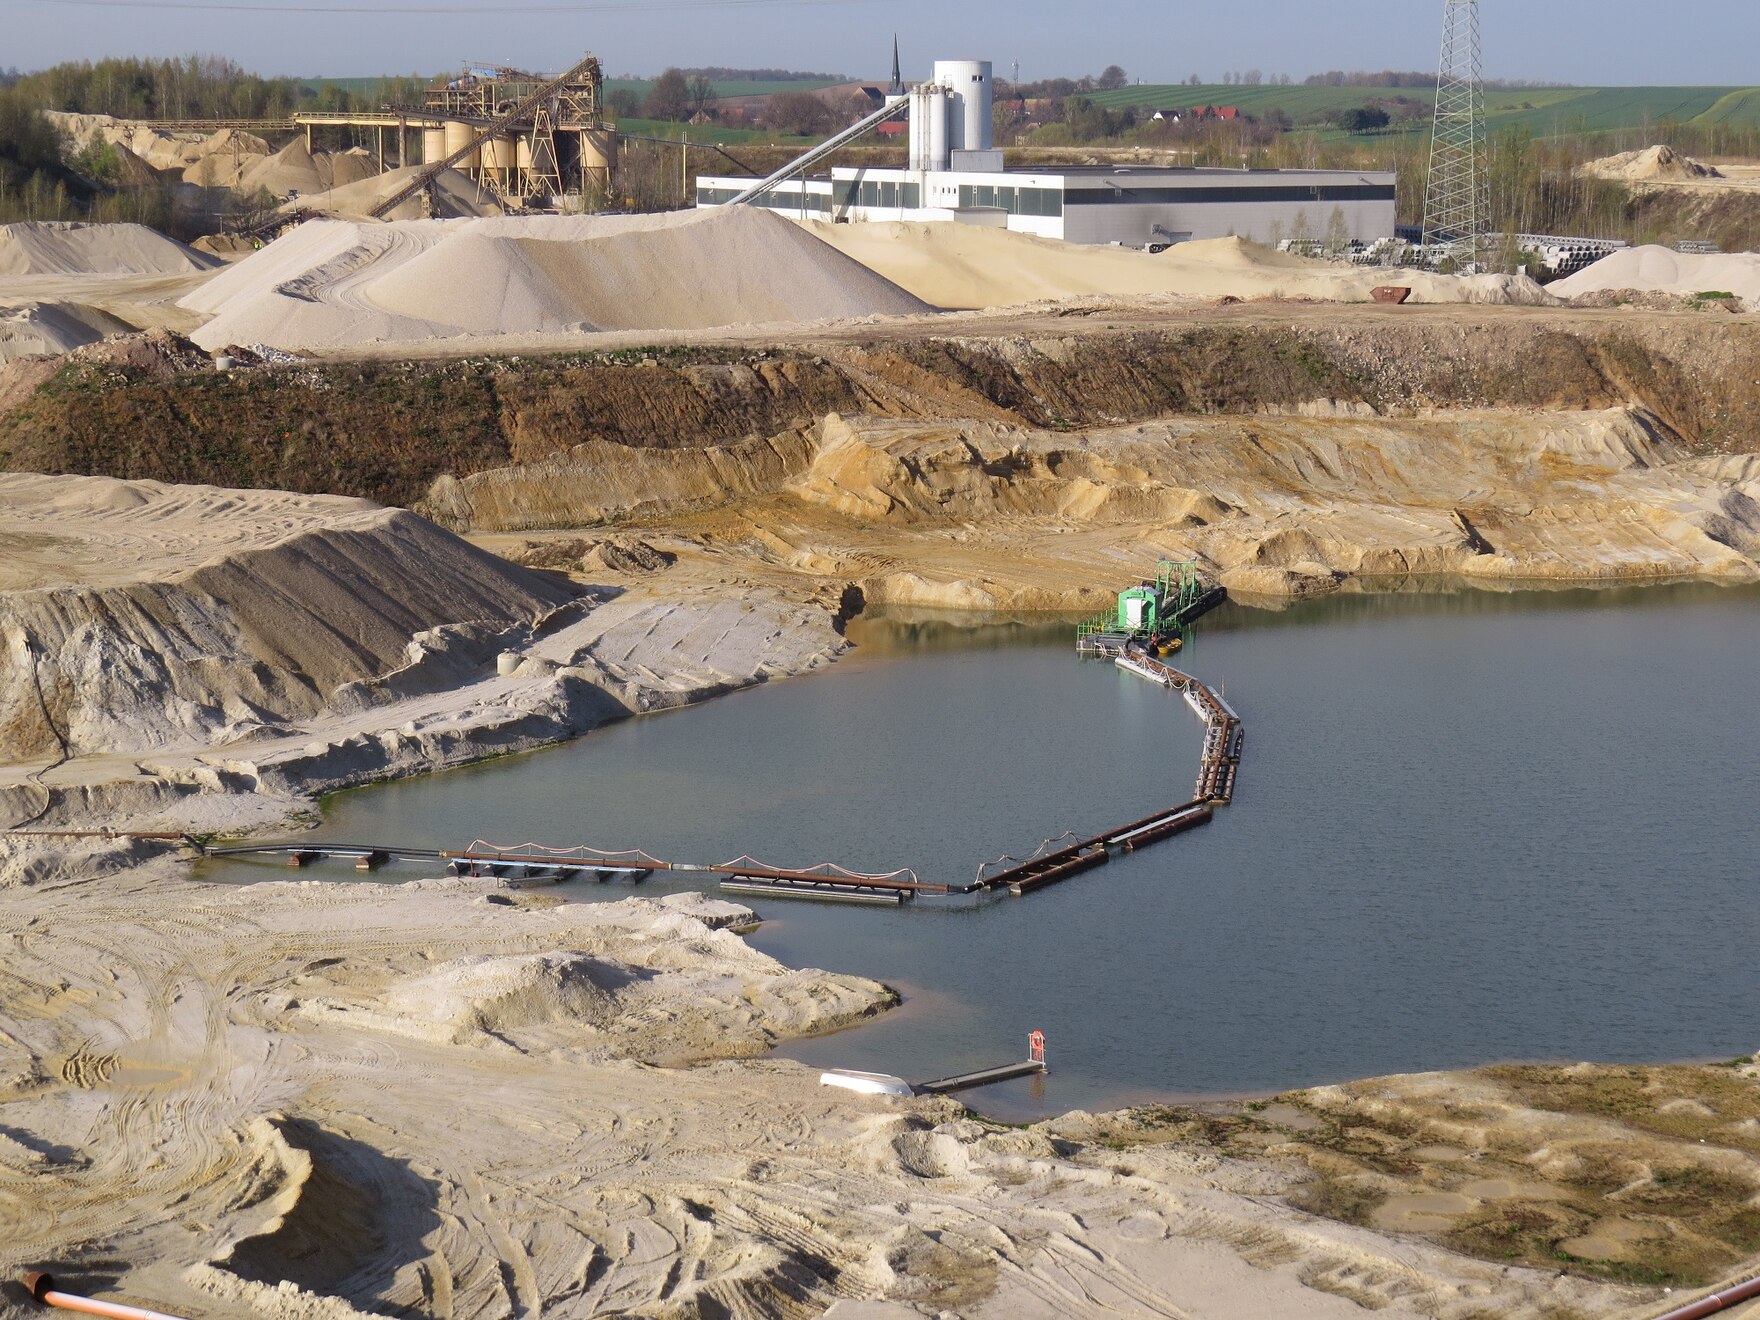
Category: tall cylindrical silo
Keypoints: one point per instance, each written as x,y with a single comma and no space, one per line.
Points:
498,156
919,127
433,145
457,134
598,150
970,94
939,114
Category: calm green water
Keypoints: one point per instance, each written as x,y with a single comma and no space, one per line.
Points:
1469,827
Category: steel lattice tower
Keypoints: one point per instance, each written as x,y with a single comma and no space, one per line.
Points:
1457,198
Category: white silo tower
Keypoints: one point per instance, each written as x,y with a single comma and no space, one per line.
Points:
969,97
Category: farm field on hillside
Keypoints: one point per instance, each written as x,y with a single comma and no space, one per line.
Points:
1545,111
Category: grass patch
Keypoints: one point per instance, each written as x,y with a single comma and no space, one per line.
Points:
1343,1199
1639,1097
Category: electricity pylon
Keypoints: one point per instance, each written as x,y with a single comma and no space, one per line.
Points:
1457,197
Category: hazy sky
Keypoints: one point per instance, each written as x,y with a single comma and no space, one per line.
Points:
1613,41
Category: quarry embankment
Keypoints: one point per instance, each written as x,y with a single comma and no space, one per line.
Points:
386,429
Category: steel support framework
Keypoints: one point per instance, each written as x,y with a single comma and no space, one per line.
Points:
1457,196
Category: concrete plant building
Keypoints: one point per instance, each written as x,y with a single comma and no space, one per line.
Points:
956,174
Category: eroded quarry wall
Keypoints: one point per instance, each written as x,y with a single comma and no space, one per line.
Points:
387,431
209,645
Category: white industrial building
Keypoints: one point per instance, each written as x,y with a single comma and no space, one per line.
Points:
956,174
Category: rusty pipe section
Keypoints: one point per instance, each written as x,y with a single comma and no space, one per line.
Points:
1715,1302
42,1288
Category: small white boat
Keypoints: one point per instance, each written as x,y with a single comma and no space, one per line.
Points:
868,1083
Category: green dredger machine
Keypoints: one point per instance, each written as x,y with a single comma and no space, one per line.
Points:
1151,614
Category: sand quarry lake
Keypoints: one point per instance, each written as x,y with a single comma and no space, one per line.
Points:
1417,838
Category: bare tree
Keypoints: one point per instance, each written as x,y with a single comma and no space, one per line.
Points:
798,113
1338,232
1112,79
669,98
1299,232
699,91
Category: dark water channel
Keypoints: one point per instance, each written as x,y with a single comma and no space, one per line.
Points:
1470,826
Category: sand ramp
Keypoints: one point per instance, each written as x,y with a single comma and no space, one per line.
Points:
68,247
332,284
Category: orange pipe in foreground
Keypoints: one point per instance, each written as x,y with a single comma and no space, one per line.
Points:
42,1288
1716,1302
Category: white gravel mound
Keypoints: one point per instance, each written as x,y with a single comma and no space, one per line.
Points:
1663,270
332,284
69,247
48,328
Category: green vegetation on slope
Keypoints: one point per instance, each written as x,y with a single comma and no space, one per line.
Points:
386,430
1543,111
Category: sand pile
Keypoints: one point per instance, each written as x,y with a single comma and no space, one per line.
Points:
331,284
456,197
35,327
698,990
1657,163
174,152
1663,270
68,247
963,266
142,614
293,169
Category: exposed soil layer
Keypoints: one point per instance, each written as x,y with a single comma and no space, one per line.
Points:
386,429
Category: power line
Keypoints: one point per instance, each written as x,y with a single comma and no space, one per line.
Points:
1457,194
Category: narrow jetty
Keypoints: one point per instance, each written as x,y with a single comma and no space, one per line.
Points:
983,1077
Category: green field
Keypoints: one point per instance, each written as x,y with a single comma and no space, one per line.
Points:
1544,111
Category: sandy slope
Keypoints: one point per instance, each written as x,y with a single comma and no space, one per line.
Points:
1655,269
67,247
455,197
978,515
963,266
139,615
320,1101
331,284
429,1099
35,328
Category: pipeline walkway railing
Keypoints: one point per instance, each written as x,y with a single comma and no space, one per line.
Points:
1054,860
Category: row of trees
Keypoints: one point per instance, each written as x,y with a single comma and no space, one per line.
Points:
1399,78
38,181
194,87
679,95
1251,78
